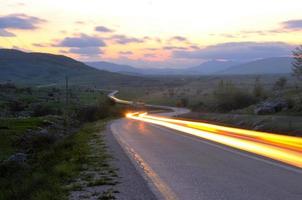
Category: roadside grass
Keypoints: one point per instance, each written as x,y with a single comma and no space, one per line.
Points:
47,172
97,177
12,128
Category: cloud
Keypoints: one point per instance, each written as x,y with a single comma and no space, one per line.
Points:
174,48
195,47
123,39
149,55
87,51
238,51
20,21
293,24
80,22
82,41
284,27
5,33
83,45
152,49
125,53
179,39
103,29
39,45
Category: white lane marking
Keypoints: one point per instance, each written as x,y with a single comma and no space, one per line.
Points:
241,153
158,186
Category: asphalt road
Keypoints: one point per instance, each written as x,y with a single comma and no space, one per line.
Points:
178,166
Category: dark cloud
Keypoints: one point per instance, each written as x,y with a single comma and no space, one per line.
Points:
86,51
82,41
293,24
238,51
123,39
19,21
179,38
103,29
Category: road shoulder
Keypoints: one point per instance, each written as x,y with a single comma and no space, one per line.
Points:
132,185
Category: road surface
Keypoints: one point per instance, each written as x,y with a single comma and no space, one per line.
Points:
180,165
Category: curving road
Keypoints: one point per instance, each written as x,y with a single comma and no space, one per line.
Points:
181,166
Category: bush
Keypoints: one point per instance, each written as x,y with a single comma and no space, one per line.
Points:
16,106
227,97
90,113
45,109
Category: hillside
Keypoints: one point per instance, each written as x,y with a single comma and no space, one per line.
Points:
112,67
42,68
277,65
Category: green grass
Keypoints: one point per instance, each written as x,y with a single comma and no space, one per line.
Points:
11,130
49,170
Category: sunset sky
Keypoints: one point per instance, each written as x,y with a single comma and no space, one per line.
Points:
153,33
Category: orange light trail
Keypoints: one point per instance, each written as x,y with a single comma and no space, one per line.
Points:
286,149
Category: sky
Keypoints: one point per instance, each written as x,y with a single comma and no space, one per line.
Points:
153,33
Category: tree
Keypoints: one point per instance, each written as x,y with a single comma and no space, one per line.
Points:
297,63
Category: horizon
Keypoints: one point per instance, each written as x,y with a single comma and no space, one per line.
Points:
153,34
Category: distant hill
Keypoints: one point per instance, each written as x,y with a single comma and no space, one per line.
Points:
209,67
42,68
112,67
277,65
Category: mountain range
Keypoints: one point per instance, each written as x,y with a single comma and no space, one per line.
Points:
44,68
276,65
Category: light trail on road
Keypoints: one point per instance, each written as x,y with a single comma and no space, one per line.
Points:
286,149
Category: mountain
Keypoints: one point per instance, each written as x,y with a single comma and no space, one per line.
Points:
210,67
112,67
277,65
43,68
206,68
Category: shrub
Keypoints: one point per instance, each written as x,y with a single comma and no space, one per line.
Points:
45,109
16,106
227,97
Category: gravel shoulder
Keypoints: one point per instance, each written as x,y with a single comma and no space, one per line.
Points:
132,185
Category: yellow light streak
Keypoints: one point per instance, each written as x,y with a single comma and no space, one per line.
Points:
289,151
286,141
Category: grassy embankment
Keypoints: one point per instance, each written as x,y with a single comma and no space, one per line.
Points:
54,150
